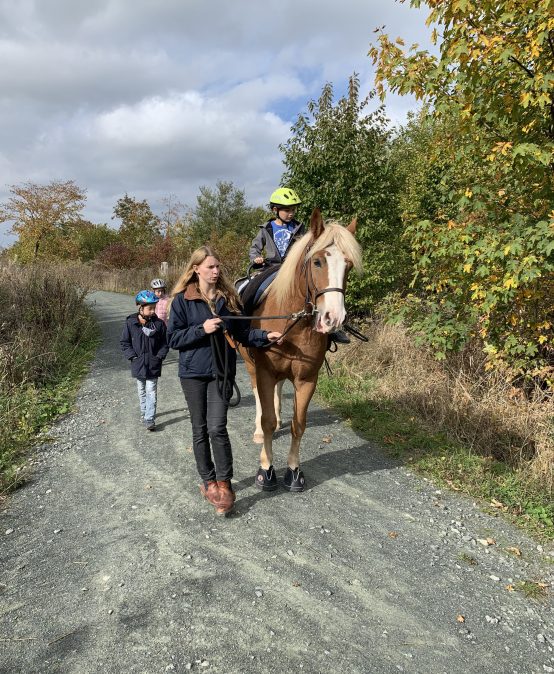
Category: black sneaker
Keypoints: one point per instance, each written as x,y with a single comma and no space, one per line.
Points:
294,480
266,479
340,337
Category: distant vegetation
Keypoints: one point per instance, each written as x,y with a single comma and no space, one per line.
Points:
50,228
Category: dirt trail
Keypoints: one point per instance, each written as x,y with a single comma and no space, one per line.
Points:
115,564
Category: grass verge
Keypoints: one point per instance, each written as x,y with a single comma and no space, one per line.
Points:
504,489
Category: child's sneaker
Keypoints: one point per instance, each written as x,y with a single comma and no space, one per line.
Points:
340,337
150,425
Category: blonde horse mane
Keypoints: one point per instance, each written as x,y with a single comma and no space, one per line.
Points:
334,233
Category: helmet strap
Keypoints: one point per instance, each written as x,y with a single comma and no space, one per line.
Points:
144,318
278,218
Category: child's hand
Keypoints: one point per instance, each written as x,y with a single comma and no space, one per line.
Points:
258,260
275,337
210,325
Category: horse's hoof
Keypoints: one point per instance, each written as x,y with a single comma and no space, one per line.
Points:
258,438
266,479
294,480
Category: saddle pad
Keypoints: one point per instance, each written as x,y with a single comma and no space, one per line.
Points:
251,293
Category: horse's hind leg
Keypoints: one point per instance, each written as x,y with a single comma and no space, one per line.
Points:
258,432
265,478
303,392
277,396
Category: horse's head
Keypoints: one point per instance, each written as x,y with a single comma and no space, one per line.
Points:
332,254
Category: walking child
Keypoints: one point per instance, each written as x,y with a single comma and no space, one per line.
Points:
159,288
144,343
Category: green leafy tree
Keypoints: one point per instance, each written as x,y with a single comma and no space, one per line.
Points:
139,226
92,239
43,216
338,158
485,263
221,210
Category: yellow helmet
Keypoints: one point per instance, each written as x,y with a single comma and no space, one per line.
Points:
284,196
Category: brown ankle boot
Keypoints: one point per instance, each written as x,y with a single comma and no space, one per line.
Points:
211,492
226,497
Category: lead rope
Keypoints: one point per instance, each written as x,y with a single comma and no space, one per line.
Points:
221,362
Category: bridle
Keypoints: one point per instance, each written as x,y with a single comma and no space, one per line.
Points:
311,288
309,311
316,293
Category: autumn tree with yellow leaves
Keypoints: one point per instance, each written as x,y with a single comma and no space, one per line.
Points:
484,258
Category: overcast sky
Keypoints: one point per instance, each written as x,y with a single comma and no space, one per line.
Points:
158,97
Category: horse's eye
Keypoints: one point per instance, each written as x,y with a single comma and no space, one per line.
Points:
317,262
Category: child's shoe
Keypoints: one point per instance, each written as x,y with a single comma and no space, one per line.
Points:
340,337
150,425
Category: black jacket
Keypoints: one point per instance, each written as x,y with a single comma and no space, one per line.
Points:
145,353
185,333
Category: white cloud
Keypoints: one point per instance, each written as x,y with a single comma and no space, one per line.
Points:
153,98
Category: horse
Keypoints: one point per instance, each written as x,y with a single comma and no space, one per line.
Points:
306,303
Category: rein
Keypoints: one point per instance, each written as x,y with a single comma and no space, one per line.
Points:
295,315
309,305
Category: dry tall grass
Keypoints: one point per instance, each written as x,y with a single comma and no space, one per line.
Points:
46,338
479,408
94,277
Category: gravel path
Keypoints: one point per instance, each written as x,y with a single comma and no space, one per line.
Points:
111,561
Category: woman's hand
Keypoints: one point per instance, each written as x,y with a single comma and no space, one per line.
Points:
275,337
210,325
258,260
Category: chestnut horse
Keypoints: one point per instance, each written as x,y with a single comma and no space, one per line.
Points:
311,282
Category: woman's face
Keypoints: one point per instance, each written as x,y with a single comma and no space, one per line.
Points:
208,271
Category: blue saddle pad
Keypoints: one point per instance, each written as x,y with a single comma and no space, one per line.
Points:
250,291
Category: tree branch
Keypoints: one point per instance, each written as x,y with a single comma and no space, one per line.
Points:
527,70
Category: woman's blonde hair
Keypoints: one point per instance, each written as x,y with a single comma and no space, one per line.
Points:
223,285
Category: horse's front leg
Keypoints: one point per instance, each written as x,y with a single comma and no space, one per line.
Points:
303,392
265,478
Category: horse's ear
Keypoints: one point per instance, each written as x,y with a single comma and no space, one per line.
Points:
352,226
316,223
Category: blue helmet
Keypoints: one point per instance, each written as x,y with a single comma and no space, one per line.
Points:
145,297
